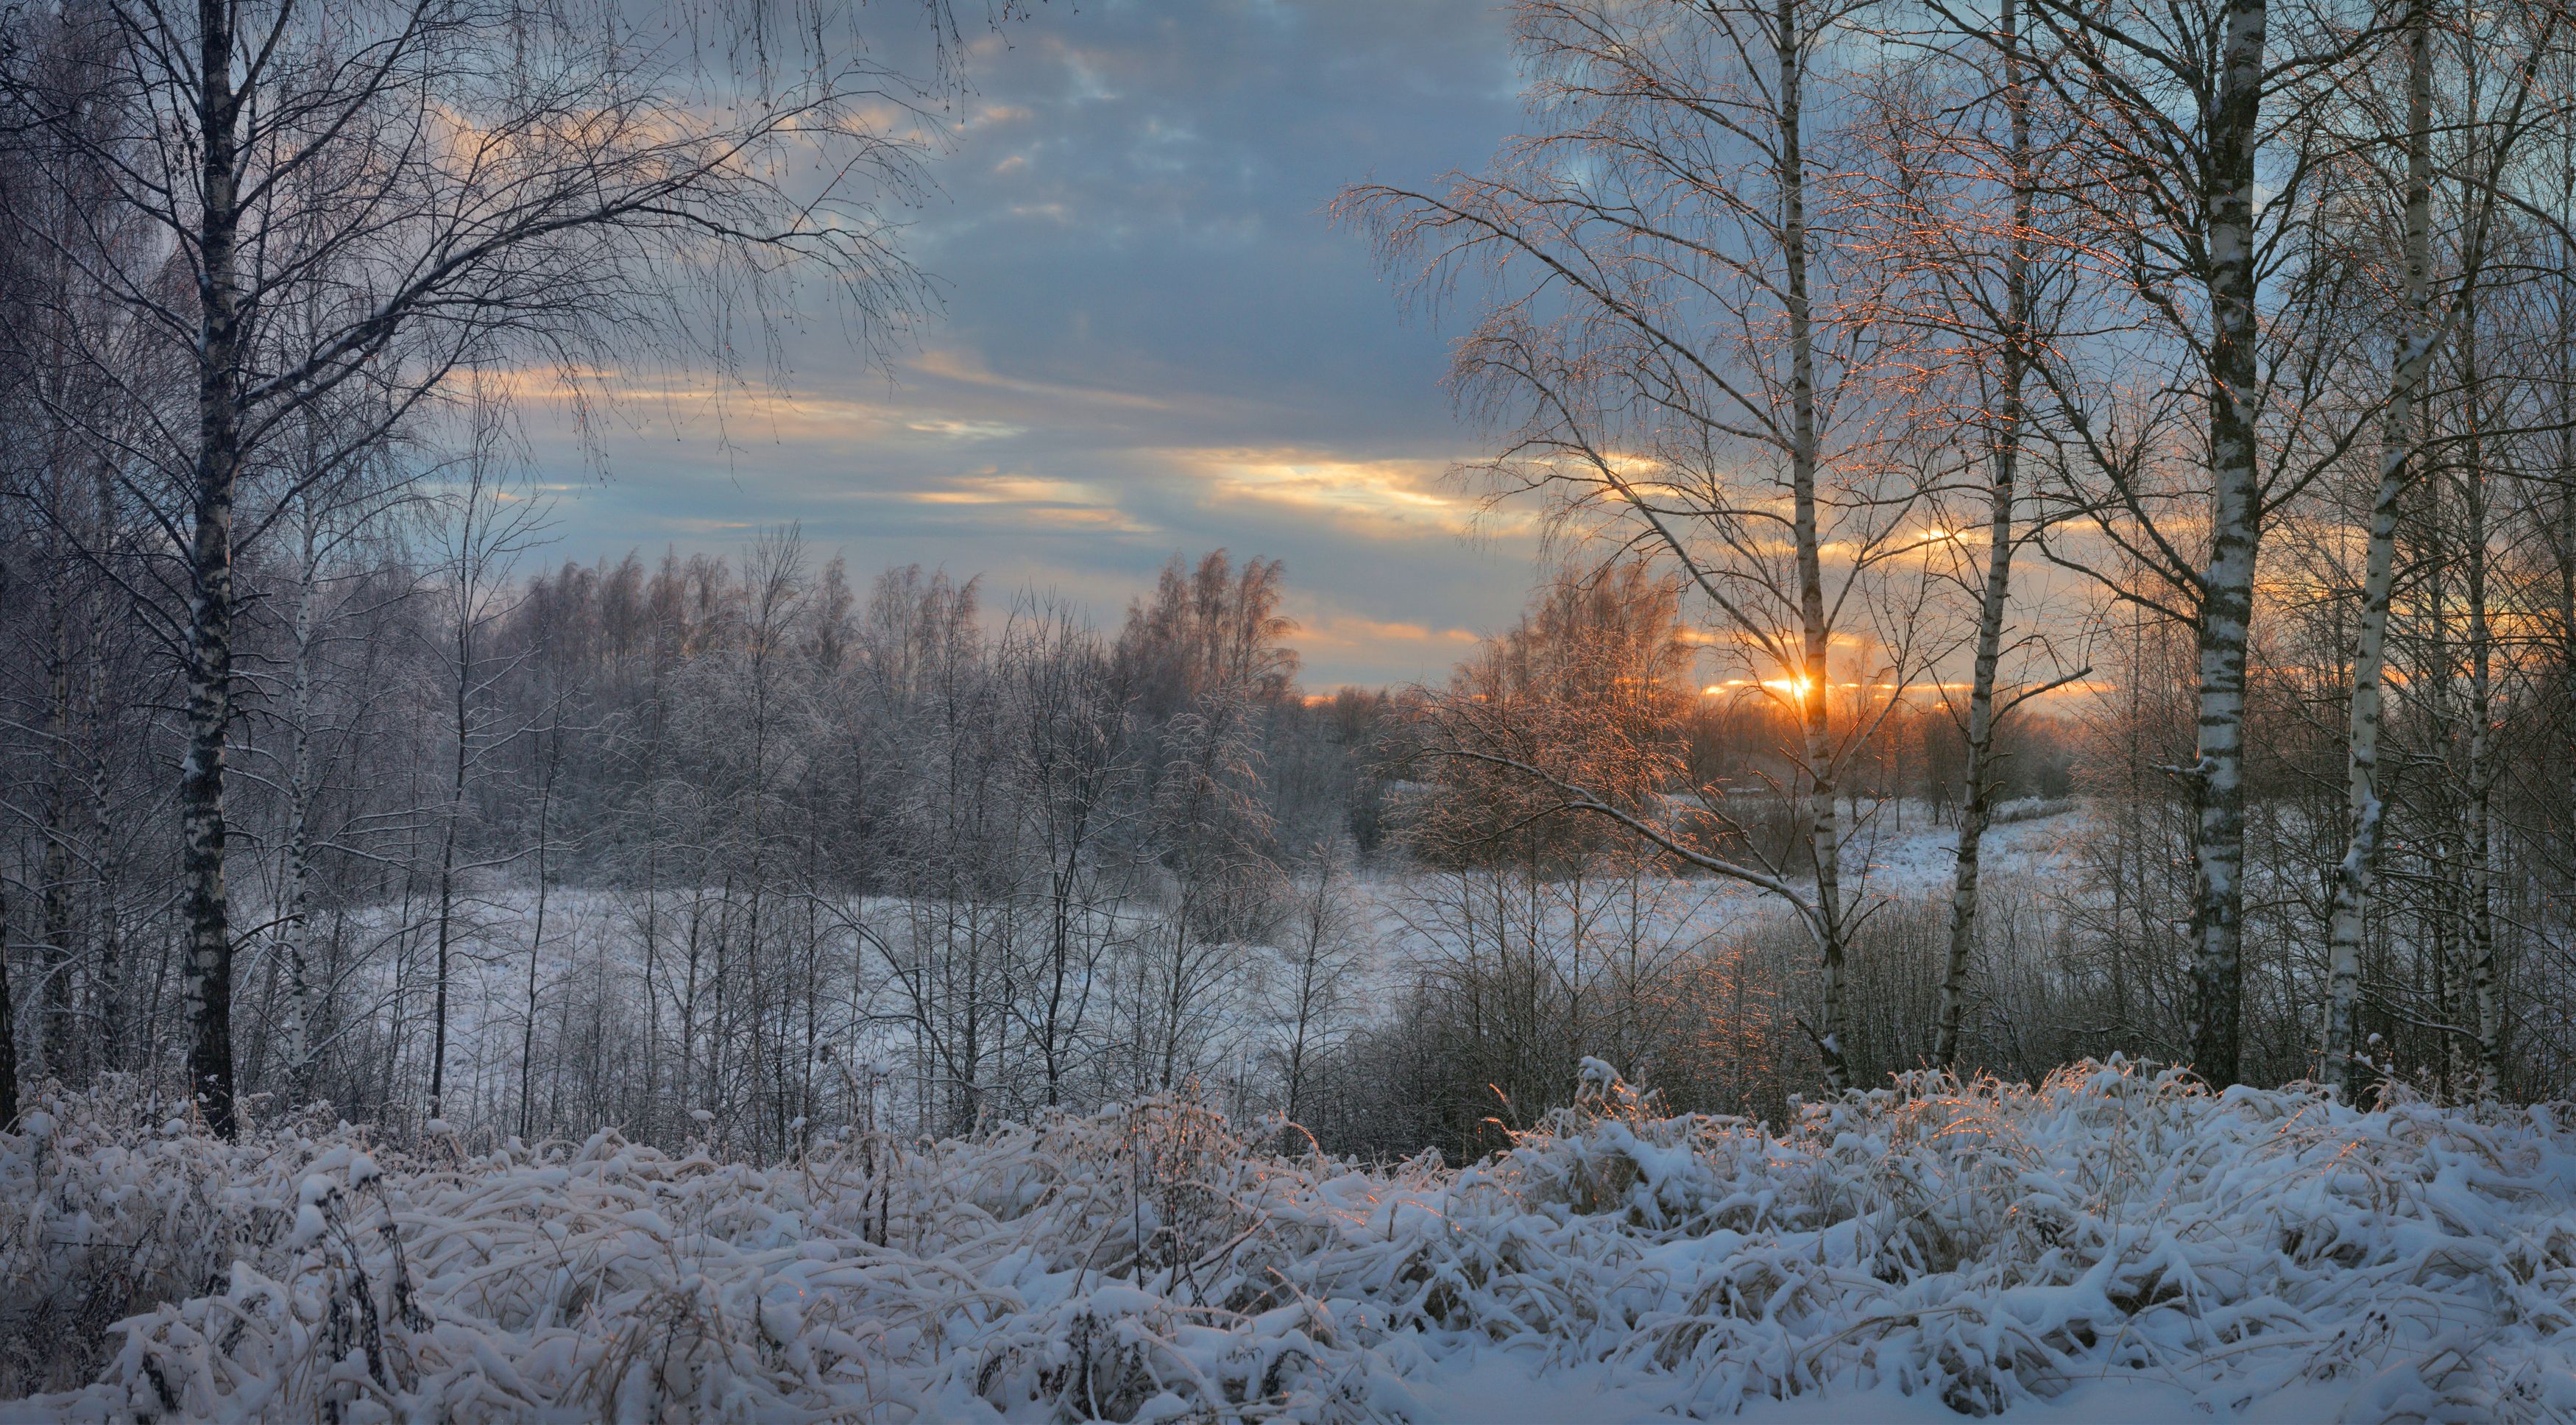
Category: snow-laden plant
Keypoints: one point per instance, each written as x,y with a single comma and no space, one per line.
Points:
112,1201
1979,1243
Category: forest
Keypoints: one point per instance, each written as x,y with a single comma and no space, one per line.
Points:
2053,672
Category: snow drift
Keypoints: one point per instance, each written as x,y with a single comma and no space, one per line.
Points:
1983,1246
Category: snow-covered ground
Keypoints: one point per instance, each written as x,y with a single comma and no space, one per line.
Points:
2114,1244
594,952
1907,854
1894,852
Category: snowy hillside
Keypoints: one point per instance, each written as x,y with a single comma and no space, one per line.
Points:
2115,1241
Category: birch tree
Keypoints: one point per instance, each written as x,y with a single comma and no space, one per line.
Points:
1960,187
2411,353
1670,343
485,530
1072,758
1322,954
436,184
2195,157
2423,320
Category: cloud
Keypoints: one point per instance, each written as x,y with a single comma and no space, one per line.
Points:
968,369
1368,498
1148,339
1394,650
1031,502
1345,631
965,430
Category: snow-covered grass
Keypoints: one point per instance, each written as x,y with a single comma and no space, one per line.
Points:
2115,1239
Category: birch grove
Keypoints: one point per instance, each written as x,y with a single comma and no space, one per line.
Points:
2060,539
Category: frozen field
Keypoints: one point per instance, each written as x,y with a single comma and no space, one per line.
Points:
592,975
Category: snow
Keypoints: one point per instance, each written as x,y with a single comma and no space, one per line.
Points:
2117,1243
1506,1389
1409,924
1893,850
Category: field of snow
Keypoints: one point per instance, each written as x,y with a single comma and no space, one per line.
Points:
1894,852
593,961
2116,1243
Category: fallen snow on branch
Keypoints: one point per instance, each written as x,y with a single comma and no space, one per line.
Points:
1979,1248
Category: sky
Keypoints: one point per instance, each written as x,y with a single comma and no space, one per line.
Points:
1150,339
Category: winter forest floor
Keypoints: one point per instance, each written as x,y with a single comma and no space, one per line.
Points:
2116,1243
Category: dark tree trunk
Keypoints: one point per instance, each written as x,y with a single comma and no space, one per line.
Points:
210,564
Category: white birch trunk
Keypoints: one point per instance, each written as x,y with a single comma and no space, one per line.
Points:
1813,688
2356,873
2227,581
1977,776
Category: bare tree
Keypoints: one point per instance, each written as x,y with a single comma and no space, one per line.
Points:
484,529
1205,657
1963,172
549,774
2424,320
2195,153
1322,955
1671,341
429,186
2410,358
1073,761
335,513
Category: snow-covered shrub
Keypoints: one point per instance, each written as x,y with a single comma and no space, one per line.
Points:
112,1201
1984,1245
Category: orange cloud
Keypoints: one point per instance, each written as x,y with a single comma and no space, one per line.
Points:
1346,631
1368,496
1031,500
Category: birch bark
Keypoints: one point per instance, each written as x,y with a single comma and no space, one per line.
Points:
2413,352
2227,579
1814,688
209,658
1976,778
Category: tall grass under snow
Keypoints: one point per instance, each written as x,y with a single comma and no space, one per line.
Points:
1986,1246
